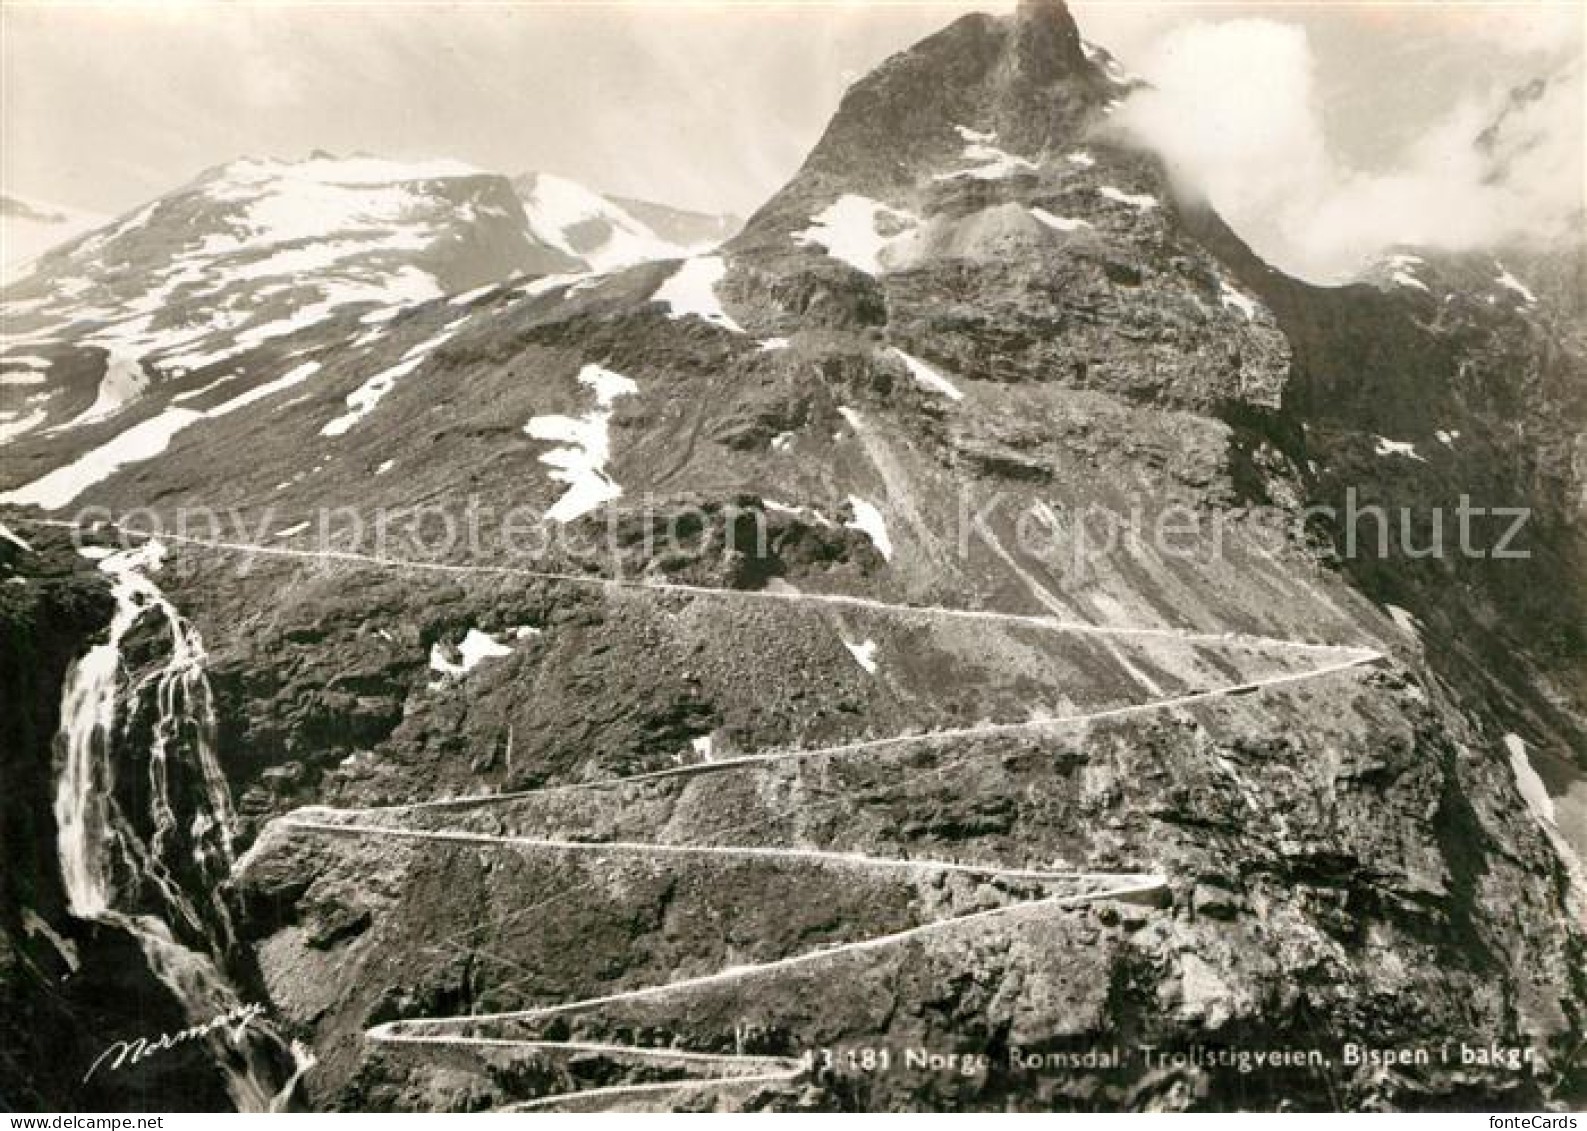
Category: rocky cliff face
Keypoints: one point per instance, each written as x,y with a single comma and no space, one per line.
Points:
934,552
1445,378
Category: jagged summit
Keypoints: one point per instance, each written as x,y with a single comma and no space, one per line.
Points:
1025,76
986,102
972,194
1046,41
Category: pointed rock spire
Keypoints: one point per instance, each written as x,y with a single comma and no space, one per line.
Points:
1047,41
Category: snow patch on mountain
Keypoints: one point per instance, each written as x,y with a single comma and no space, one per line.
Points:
1058,223
363,400
581,461
1403,619
1527,781
476,647
282,202
990,162
548,283
1141,202
287,380
469,298
610,233
15,424
868,520
1510,282
139,443
9,535
1111,67
124,381
691,290
1386,447
851,229
927,377
143,441
1237,300
809,513
864,654
259,250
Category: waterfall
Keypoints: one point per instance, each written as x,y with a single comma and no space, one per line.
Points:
149,872
87,715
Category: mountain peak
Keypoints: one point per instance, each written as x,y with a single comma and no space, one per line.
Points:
1025,79
1047,41
1053,12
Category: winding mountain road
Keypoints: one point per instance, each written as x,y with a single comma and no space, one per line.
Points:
726,1070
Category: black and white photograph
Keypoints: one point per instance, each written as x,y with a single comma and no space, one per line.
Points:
751,556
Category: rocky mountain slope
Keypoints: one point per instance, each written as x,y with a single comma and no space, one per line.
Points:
897,632
1447,382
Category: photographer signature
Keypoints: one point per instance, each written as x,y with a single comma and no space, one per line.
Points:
233,1023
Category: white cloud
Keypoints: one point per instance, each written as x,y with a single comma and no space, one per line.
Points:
1235,111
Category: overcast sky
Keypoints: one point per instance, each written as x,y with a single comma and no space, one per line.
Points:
710,106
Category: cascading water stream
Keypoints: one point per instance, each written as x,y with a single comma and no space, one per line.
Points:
141,872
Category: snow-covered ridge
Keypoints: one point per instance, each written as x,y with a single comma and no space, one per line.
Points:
254,252
361,170
593,227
